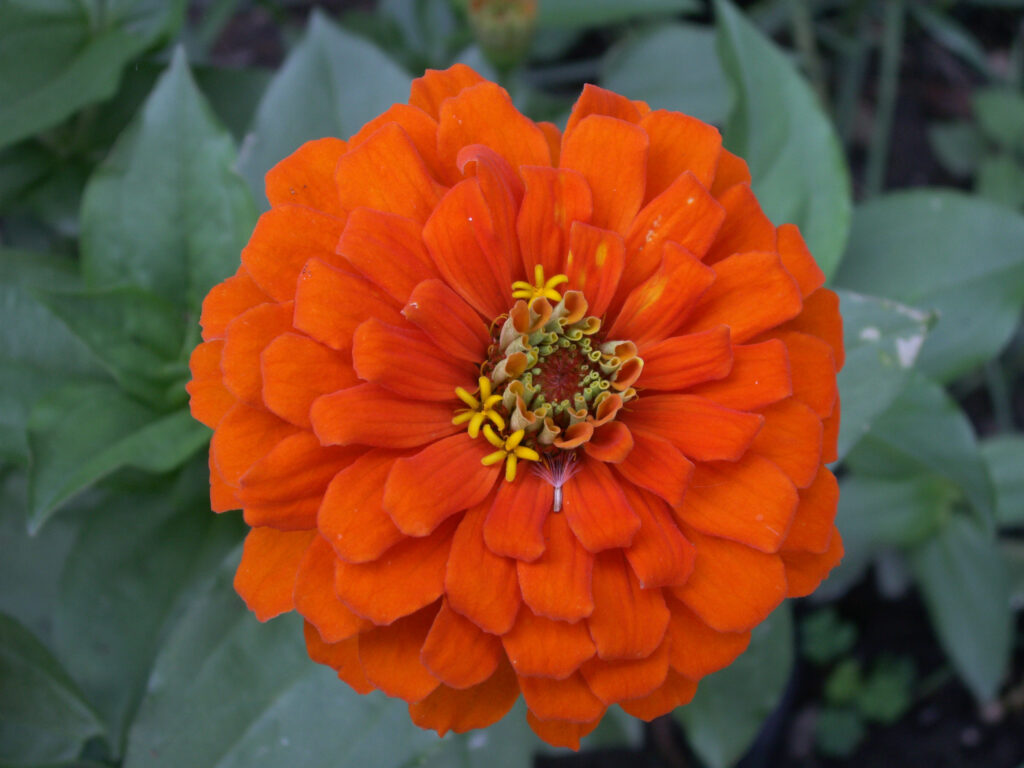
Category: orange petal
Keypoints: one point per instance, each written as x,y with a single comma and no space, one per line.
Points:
222,495
660,555
228,300
444,478
462,240
387,173
731,170
420,127
655,308
759,377
611,443
752,292
696,649
813,523
409,577
479,584
814,371
316,599
597,510
538,646
342,656
628,621
391,656
658,466
449,709
320,311
701,429
806,570
306,177
568,699
502,190
284,488
557,584
732,587
830,435
679,143
387,250
745,228
554,199
244,436
457,652
450,322
208,399
683,361
371,415
791,438
797,259
265,578
284,240
515,523
561,733
430,91
288,389
599,101
352,517
246,337
684,214
594,263
612,156
750,501
553,135
820,317
484,114
674,692
616,681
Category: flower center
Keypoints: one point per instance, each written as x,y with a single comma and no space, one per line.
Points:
550,379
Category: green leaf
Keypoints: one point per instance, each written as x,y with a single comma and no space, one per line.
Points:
81,433
594,13
670,66
963,581
795,158
731,705
882,339
330,85
886,693
130,572
43,717
898,512
958,145
946,251
838,731
953,36
59,56
229,692
1000,113
924,430
826,636
1001,180
1013,558
166,212
1004,456
234,94
844,682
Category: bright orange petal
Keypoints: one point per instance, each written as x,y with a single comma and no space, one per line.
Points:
420,127
594,263
797,259
813,523
515,523
265,577
759,377
628,621
701,429
306,177
246,337
679,143
244,436
745,228
684,361
731,170
450,322
561,733
538,646
457,652
814,371
558,583
222,495
449,709
674,692
615,681
696,649
342,656
597,510
391,656
228,300
554,199
599,101
657,465
660,555
568,699
805,570
316,599
830,435
611,443
791,438
208,398
430,91
288,389
820,317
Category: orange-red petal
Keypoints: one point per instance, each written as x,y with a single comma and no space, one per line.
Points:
657,465
558,583
448,320
539,646
660,555
814,371
679,143
306,177
244,436
684,361
813,523
805,570
674,692
450,709
759,377
561,733
208,398
594,100
745,228
697,649
611,443
567,699
342,656
594,263
628,621
515,522
391,656
614,681
457,652
226,301
597,510
288,388
316,599
265,578
797,259
701,429
792,438
431,90
554,199
246,337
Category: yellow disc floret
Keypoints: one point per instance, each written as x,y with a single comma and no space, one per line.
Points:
480,409
509,451
541,288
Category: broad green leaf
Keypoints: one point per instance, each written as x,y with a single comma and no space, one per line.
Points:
61,55
963,580
43,717
234,94
1001,180
731,705
330,85
130,571
1004,455
882,339
959,146
1013,559
924,430
166,212
1000,113
797,164
670,66
953,36
946,251
593,13
83,432
229,692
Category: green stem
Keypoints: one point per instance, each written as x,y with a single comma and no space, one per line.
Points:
999,394
888,84
803,34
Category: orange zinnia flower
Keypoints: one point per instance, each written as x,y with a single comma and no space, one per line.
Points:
511,410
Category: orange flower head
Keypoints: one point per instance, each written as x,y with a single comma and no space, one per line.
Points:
511,410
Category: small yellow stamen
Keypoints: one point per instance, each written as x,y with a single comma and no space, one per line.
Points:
541,288
509,450
479,410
